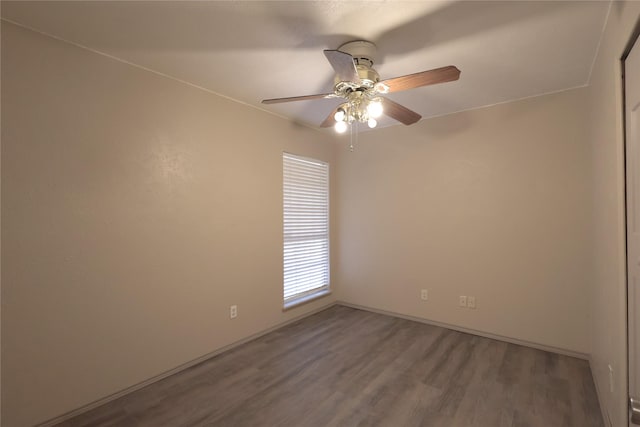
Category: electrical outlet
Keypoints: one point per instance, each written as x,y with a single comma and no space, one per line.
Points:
424,294
463,301
471,302
233,311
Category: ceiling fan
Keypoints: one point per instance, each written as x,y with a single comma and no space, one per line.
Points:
361,88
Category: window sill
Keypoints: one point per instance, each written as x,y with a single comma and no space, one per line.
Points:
305,299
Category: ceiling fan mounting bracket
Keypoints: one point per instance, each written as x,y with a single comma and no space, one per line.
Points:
363,52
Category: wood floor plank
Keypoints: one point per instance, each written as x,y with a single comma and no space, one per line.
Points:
348,367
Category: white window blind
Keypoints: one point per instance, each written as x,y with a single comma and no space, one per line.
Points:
306,226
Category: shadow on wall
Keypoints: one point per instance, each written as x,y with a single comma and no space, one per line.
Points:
441,127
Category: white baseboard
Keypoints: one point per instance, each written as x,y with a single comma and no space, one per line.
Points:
67,416
551,349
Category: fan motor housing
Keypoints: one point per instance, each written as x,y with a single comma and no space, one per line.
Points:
363,53
368,76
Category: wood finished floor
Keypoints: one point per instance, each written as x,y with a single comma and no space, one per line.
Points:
348,367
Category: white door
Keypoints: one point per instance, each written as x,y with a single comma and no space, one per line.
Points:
632,108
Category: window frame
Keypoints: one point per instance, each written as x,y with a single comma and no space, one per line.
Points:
318,292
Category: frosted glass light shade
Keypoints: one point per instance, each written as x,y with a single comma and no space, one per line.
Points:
340,127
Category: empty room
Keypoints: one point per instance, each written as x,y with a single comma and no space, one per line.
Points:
320,213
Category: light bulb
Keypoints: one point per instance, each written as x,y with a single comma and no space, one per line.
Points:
339,115
340,127
372,122
374,108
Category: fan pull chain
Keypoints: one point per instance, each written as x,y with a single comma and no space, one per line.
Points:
356,131
351,137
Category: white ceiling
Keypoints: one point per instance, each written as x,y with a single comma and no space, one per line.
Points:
250,51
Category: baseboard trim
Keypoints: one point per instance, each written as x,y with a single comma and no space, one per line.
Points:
68,415
517,341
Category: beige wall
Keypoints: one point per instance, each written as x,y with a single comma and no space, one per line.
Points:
135,210
491,203
608,329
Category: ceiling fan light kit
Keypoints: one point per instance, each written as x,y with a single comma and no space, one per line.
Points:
359,85
358,107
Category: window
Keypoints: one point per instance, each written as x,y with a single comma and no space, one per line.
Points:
306,228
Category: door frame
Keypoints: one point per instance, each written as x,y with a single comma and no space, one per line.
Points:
635,38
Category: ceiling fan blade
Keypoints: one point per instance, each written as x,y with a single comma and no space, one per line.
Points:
299,98
343,65
425,78
330,120
399,112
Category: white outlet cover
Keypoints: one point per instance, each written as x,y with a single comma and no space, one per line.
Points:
424,294
463,301
471,302
233,311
